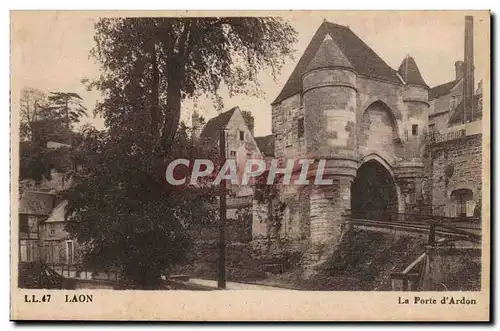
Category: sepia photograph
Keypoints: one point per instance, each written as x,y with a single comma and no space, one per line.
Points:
198,154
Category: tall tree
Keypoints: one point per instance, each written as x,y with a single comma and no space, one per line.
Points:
44,119
68,105
121,209
32,102
170,59
124,218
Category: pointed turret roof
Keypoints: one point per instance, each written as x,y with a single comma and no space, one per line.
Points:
328,55
408,70
358,54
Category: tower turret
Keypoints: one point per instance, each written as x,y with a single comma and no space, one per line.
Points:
415,95
416,101
329,99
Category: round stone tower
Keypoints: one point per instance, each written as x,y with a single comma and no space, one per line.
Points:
416,101
329,100
415,95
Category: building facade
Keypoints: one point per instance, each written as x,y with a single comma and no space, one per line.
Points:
34,208
240,146
391,143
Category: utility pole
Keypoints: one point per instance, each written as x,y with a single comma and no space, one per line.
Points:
221,274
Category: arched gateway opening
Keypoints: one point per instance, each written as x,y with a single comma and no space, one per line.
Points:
373,192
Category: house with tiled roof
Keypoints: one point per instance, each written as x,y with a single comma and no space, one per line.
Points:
34,208
240,146
57,246
444,98
446,102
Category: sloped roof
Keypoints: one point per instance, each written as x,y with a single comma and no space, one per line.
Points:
36,203
410,73
362,58
266,144
457,114
57,214
442,89
211,130
328,55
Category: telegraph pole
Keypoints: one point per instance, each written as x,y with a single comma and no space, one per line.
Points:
221,269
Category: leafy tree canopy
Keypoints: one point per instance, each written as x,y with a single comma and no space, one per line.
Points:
44,119
151,64
119,207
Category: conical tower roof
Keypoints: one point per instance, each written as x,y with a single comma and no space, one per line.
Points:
410,73
346,49
328,55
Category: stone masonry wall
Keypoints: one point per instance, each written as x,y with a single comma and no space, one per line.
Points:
377,133
285,116
454,164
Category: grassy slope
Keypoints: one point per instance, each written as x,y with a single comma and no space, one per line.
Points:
363,262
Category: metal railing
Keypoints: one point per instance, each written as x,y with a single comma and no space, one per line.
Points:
78,271
412,277
453,228
436,137
449,229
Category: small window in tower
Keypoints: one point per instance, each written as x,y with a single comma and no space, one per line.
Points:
414,129
300,127
233,153
242,135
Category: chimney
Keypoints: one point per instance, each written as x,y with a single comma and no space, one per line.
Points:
251,125
249,121
197,124
468,85
459,69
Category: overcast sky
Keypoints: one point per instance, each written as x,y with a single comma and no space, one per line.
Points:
50,50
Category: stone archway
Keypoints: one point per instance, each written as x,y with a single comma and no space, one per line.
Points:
373,192
378,131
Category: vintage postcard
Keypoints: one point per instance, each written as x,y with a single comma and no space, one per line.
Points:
250,166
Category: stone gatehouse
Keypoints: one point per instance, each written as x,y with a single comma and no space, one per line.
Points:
371,123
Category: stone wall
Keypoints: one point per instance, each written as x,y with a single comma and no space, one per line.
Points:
285,116
370,91
416,127
377,133
440,121
294,219
454,164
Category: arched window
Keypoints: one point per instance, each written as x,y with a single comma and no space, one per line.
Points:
463,199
